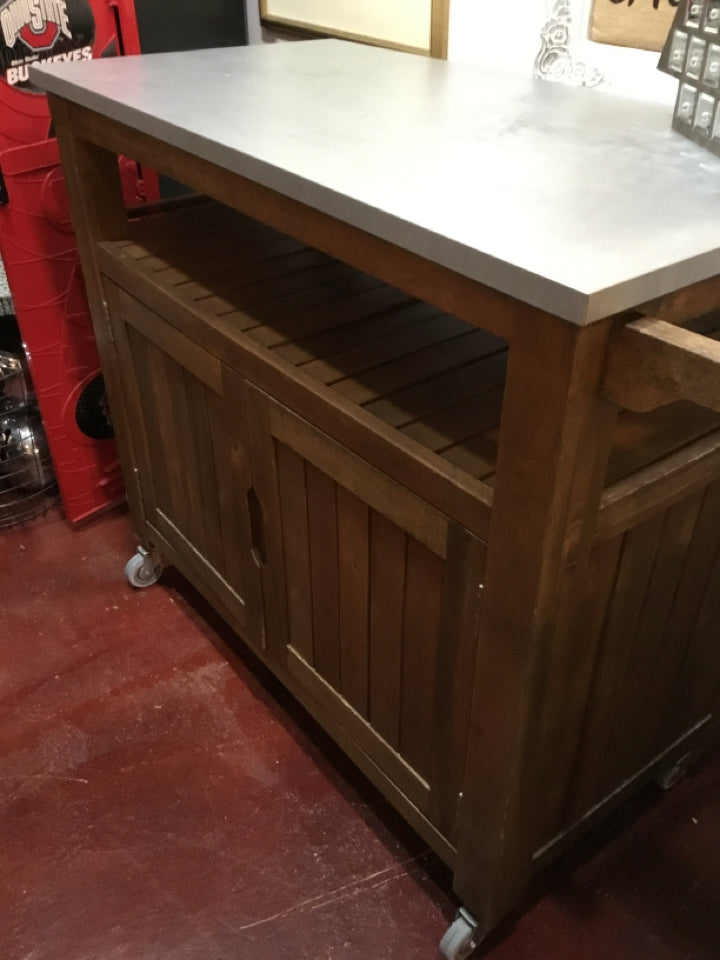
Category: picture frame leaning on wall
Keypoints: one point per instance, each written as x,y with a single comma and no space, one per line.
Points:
415,26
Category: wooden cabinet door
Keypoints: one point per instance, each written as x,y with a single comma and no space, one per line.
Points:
381,595
186,415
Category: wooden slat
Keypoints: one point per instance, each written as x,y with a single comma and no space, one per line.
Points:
462,499
392,312
230,460
265,496
641,440
354,361
457,423
621,756
171,342
298,339
462,592
353,535
420,640
657,486
697,688
677,635
285,295
199,449
157,412
380,492
360,731
633,575
454,386
322,531
296,542
183,462
652,363
594,604
415,367
298,308
388,545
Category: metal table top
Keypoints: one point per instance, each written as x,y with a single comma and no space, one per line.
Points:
575,201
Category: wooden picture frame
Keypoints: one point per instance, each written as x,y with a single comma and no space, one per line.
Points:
415,26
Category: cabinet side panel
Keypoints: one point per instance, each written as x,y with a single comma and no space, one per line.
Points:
657,669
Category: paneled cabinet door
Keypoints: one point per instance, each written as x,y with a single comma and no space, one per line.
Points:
187,425
382,601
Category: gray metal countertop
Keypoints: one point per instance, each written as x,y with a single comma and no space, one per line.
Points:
574,201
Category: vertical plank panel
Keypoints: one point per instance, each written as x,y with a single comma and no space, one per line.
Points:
182,463
421,629
322,529
698,686
458,639
623,759
657,725
157,410
229,460
387,587
228,430
636,564
265,498
595,603
200,448
294,518
353,530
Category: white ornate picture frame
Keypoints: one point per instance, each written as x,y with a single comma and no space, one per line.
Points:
560,57
567,55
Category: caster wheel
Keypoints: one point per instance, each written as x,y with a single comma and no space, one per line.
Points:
667,778
462,937
140,569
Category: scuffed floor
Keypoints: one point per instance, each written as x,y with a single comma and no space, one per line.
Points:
162,798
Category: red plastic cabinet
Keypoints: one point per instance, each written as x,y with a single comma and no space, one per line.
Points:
41,261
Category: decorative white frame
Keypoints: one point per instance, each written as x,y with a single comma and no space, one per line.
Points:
566,54
557,58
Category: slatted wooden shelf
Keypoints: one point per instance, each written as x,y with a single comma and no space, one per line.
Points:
432,377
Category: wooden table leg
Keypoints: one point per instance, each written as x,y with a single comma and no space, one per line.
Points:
554,444
98,213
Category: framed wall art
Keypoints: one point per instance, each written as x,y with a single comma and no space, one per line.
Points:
416,26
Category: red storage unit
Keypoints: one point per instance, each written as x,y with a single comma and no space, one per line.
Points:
37,30
41,262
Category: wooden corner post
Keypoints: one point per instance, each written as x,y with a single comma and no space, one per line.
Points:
98,213
554,444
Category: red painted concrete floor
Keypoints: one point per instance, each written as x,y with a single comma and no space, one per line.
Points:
162,799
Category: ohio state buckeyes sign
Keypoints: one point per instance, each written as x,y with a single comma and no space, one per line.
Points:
34,31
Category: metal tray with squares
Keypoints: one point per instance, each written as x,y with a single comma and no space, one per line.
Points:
692,55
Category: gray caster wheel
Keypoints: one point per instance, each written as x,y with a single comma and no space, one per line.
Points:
666,779
461,938
141,570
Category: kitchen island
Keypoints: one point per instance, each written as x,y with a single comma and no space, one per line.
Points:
421,392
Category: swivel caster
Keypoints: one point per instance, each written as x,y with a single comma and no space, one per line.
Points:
141,570
667,778
462,937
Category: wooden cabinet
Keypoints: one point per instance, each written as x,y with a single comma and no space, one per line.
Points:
192,454
382,597
361,590
479,551
318,451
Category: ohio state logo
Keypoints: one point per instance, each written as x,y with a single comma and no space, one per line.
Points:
38,23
